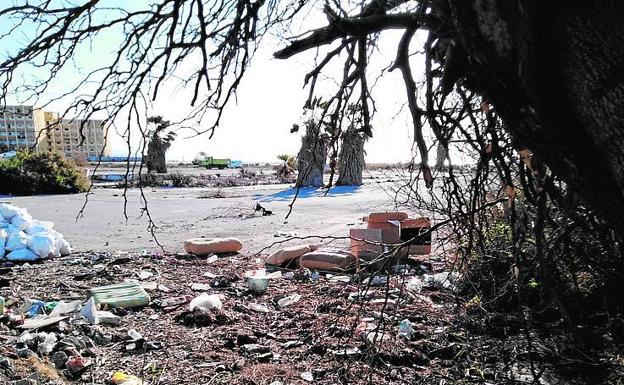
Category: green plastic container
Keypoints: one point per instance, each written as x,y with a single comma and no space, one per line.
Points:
121,295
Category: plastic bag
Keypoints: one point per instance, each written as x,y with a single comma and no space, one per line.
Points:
22,221
43,245
63,247
206,302
8,210
16,240
37,227
22,255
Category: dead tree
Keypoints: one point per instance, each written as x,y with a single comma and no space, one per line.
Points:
311,157
159,142
351,162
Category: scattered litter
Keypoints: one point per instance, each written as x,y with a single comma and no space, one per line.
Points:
76,365
34,307
200,287
144,274
378,280
288,300
206,302
134,335
445,280
339,278
121,378
405,329
175,301
122,295
259,308
414,285
38,323
307,376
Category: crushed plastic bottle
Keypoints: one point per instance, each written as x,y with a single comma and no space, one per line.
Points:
405,329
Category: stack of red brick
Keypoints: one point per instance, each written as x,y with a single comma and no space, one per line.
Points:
387,229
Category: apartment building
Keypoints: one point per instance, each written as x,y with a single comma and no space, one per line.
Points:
65,137
23,127
17,127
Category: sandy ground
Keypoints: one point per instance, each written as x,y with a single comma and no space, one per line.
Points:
183,213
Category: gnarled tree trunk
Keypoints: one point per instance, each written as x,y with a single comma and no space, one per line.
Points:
311,157
351,162
555,72
156,150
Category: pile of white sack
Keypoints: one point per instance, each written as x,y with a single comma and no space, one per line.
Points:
23,238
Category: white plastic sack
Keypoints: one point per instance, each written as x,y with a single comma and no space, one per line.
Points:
37,227
63,247
22,255
8,210
16,240
43,245
22,221
206,302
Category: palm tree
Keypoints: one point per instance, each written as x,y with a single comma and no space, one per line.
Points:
351,161
159,143
311,157
287,168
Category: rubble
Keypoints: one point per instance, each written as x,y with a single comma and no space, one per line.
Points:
306,321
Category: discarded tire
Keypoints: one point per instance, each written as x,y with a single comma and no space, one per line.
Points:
205,246
327,260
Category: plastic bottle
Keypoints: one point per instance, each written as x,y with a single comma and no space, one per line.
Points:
405,329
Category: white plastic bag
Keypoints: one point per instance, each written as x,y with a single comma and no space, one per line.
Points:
43,245
206,302
37,227
8,210
22,221
16,240
63,247
22,255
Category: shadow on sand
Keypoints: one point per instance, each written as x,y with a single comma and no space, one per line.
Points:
306,192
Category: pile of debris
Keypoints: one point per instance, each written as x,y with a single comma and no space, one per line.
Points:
23,238
218,315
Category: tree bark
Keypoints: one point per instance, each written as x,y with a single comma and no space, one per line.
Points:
156,150
554,71
351,161
311,158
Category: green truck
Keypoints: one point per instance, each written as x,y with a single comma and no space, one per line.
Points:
210,162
